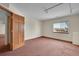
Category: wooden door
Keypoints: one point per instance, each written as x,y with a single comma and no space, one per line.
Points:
21,31
17,31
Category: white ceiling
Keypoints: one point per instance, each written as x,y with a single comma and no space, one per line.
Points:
36,10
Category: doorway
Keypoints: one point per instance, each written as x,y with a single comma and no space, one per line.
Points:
3,30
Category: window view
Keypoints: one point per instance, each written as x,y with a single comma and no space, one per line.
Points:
60,27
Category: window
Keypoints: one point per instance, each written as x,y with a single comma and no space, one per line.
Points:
60,27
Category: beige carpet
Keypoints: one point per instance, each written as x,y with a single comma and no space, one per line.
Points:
44,47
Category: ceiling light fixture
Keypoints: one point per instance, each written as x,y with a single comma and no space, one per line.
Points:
46,10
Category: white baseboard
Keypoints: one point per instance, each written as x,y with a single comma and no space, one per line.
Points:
32,37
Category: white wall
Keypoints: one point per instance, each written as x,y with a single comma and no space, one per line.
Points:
3,24
2,28
3,19
32,28
73,27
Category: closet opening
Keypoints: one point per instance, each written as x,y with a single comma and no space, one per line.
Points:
4,37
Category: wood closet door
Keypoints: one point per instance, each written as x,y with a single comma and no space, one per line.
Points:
21,31
17,31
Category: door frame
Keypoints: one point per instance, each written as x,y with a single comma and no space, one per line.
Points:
9,26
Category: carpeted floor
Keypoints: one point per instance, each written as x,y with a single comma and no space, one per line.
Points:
44,47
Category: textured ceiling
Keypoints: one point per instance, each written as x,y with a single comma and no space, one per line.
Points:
36,10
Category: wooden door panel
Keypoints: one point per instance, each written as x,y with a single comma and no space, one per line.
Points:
21,33
15,34
17,31
21,30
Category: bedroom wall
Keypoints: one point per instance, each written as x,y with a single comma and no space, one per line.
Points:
73,27
3,25
2,28
32,28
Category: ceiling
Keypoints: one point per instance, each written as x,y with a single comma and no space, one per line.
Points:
36,10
